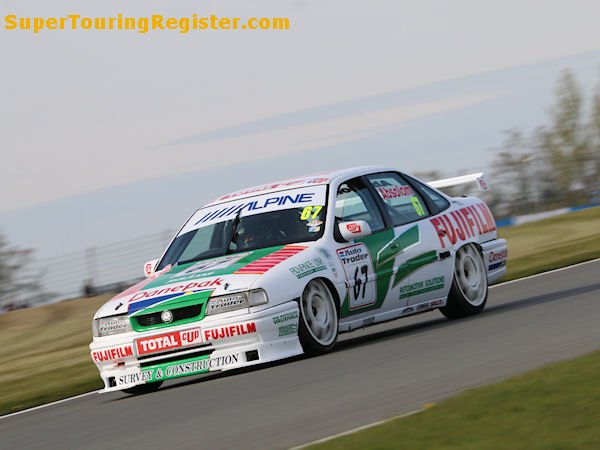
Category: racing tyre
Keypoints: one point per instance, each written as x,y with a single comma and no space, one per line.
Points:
319,321
469,290
143,388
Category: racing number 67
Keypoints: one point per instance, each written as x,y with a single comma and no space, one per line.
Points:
359,273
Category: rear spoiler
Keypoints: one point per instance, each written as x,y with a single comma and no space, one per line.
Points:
479,178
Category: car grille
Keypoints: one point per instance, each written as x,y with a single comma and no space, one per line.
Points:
203,350
187,312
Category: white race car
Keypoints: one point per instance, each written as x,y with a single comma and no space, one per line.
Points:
279,270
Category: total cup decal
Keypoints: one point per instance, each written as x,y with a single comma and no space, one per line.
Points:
168,341
462,224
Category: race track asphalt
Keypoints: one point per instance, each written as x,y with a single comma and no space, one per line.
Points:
373,374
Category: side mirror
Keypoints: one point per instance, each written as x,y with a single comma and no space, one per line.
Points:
354,230
150,267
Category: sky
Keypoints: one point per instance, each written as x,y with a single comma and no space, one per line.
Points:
109,135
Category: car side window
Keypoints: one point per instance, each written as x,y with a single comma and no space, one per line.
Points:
440,202
402,203
354,202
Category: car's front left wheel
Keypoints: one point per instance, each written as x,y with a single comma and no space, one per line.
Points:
319,318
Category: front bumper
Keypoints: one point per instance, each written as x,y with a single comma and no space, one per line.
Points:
213,344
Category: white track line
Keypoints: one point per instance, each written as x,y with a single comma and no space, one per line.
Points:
337,435
357,429
48,404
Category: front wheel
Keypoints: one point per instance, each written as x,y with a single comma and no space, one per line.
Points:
469,290
318,318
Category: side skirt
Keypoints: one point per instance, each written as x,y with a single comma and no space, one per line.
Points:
387,316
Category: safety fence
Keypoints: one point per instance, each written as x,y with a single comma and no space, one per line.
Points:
98,269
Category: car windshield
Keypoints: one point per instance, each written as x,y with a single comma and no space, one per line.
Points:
280,218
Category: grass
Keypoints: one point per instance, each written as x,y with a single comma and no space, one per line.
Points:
44,350
552,243
555,407
45,355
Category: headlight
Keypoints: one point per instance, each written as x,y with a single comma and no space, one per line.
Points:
224,303
106,326
257,297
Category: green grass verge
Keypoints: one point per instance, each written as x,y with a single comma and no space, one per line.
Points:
45,355
552,243
555,407
44,350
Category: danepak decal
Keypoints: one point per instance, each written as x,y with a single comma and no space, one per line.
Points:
144,299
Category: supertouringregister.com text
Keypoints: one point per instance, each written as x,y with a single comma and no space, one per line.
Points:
143,24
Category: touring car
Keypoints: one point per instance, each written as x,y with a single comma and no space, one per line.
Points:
281,269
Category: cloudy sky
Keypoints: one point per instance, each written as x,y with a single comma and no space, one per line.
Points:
84,113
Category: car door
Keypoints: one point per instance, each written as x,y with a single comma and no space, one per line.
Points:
422,272
364,278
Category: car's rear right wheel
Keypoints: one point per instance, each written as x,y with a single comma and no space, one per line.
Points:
469,290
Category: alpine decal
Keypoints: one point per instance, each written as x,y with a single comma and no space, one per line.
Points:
265,263
292,198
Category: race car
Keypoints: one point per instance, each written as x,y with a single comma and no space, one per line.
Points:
278,270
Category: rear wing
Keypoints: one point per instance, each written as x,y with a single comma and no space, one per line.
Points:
479,178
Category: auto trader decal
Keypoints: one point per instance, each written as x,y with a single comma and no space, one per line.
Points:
358,267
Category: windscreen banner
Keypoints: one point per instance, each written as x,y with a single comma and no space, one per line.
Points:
274,201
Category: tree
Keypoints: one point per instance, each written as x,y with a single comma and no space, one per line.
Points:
564,145
17,283
594,130
514,172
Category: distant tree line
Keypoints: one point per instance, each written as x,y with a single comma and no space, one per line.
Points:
18,287
558,165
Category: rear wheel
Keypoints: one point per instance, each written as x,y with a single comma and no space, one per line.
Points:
319,318
143,388
469,290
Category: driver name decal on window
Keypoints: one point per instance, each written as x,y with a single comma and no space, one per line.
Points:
402,201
